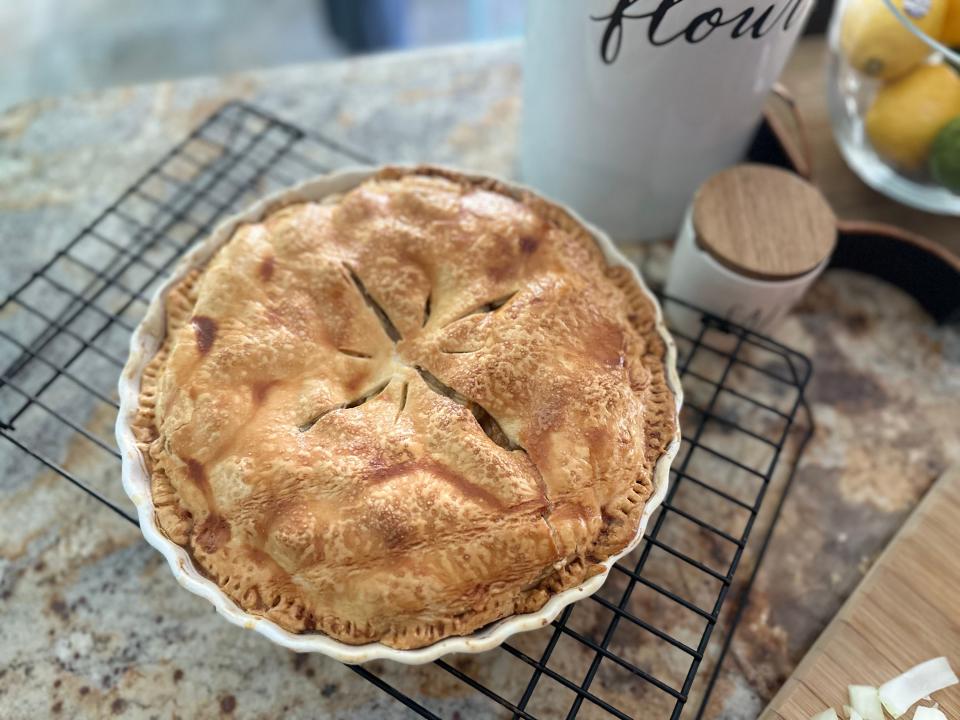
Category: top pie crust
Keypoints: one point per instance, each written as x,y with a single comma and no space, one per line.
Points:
404,412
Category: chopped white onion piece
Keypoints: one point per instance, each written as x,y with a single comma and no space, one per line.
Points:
851,713
928,713
866,702
828,714
899,694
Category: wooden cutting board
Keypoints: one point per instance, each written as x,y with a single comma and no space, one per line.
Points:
906,610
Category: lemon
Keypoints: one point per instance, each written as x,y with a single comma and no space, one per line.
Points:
876,44
906,115
945,156
950,33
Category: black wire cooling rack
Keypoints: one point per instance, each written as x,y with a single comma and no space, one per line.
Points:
64,334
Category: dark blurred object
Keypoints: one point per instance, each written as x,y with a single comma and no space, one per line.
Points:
365,25
919,267
368,25
819,18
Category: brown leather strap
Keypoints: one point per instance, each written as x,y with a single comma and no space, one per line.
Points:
796,145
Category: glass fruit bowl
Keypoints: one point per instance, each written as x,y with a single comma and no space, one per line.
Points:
894,97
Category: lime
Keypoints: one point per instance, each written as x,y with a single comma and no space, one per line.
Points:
945,156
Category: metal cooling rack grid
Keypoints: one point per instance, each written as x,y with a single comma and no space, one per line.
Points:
64,334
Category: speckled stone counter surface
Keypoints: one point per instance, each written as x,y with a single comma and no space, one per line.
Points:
91,622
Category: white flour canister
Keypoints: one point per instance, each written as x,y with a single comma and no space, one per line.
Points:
629,105
752,242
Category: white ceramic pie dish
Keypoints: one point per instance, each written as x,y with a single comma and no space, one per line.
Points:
146,341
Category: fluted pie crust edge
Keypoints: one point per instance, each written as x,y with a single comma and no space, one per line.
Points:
621,521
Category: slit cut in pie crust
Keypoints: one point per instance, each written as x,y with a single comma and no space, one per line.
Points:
405,412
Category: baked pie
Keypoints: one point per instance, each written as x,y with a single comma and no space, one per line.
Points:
405,411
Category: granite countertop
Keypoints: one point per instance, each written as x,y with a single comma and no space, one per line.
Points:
93,624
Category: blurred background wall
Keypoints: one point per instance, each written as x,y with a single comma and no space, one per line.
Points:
52,47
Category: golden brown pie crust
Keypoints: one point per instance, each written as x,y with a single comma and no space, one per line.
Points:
405,412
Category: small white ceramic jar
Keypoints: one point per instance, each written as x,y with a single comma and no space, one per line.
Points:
751,244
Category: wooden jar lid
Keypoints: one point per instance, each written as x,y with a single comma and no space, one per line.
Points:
763,222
